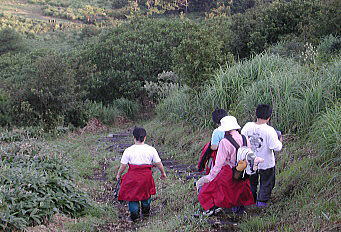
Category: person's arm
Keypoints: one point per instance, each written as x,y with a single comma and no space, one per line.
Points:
215,140
120,171
214,147
159,165
274,143
221,159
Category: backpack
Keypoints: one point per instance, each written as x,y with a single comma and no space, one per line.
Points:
242,153
207,158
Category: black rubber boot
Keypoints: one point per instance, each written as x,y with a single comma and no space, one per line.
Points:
145,211
134,216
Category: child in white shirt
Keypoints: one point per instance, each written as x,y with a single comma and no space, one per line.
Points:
264,141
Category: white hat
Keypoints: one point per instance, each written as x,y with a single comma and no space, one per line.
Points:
228,123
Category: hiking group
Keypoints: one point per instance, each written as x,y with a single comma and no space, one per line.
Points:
235,161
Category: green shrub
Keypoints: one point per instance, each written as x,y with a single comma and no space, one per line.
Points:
289,49
20,134
5,115
34,187
222,91
128,107
176,107
137,51
117,4
10,41
47,93
329,47
131,54
24,25
267,24
197,56
166,83
106,114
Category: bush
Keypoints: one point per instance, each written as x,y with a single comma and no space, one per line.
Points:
329,48
129,55
129,108
197,56
21,134
223,90
106,114
176,107
5,115
137,51
10,41
34,187
267,24
166,83
47,93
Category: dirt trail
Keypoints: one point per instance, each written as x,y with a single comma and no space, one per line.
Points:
118,143
31,11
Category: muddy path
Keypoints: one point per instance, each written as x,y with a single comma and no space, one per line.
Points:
117,143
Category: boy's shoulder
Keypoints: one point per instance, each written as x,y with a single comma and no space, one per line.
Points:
147,146
217,131
248,125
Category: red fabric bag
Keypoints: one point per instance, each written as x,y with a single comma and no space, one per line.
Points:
226,192
137,184
204,160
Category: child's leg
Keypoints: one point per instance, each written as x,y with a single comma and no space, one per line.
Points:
254,179
267,183
146,207
134,209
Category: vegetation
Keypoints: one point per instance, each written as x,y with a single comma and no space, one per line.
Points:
35,185
65,62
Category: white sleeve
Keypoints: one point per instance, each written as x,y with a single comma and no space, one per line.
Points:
156,158
273,142
125,157
244,129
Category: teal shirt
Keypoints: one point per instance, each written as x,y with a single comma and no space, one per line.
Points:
217,135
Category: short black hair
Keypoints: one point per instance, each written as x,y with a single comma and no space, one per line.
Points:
139,133
263,111
218,114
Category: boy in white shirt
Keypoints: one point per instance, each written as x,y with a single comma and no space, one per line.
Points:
264,141
137,185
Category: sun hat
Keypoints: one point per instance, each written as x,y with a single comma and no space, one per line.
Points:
228,123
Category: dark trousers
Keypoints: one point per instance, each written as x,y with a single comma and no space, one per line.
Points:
266,179
134,208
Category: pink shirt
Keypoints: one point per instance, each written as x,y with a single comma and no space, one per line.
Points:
226,154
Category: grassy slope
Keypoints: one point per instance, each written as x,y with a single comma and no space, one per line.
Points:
306,196
307,193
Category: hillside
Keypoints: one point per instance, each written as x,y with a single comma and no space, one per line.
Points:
77,76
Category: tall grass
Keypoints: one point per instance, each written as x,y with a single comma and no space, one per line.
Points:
296,93
326,132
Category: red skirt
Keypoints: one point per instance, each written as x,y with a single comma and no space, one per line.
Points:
226,192
137,184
